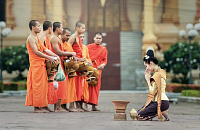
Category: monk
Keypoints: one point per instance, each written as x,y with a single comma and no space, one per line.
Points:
37,84
85,84
44,38
98,55
71,89
77,46
57,47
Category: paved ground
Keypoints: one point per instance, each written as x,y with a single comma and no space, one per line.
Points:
14,115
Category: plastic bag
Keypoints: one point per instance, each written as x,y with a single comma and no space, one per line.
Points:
55,85
60,76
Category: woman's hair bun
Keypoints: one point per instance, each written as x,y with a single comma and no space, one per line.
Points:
150,53
150,57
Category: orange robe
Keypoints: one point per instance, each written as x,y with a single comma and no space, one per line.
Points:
70,89
78,47
61,91
98,55
85,84
52,93
37,84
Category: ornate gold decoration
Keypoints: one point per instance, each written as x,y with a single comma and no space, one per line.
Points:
115,17
197,17
171,14
149,41
10,19
149,38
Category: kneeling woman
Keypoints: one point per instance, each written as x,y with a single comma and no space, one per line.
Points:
157,103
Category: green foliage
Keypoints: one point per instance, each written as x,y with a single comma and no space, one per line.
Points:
176,59
191,93
15,58
1,87
14,86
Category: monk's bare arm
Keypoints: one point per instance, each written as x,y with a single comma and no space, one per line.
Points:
50,53
104,60
41,39
72,40
57,49
33,46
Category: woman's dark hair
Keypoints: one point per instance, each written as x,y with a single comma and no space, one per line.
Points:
150,57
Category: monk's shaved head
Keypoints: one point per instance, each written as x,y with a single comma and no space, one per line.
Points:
97,33
66,29
32,23
46,25
56,25
79,24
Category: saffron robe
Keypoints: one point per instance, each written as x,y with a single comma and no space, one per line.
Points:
37,82
85,84
98,55
70,89
61,92
52,93
78,48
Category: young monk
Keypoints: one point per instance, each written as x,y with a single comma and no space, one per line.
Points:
44,38
85,84
98,55
157,103
71,89
76,43
37,84
57,46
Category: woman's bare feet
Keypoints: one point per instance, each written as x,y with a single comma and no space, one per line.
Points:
165,114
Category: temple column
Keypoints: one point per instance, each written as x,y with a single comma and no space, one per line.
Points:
149,39
56,11
38,10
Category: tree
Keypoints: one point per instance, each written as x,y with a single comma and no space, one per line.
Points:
15,58
176,59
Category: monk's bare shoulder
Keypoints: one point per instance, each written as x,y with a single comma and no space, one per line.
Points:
41,37
54,39
72,39
30,40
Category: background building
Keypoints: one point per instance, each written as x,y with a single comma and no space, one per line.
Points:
129,28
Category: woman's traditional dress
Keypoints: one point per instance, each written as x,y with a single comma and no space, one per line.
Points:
157,100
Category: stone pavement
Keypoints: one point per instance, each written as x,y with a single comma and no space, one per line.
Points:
14,115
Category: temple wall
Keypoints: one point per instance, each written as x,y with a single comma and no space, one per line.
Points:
134,9
73,9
